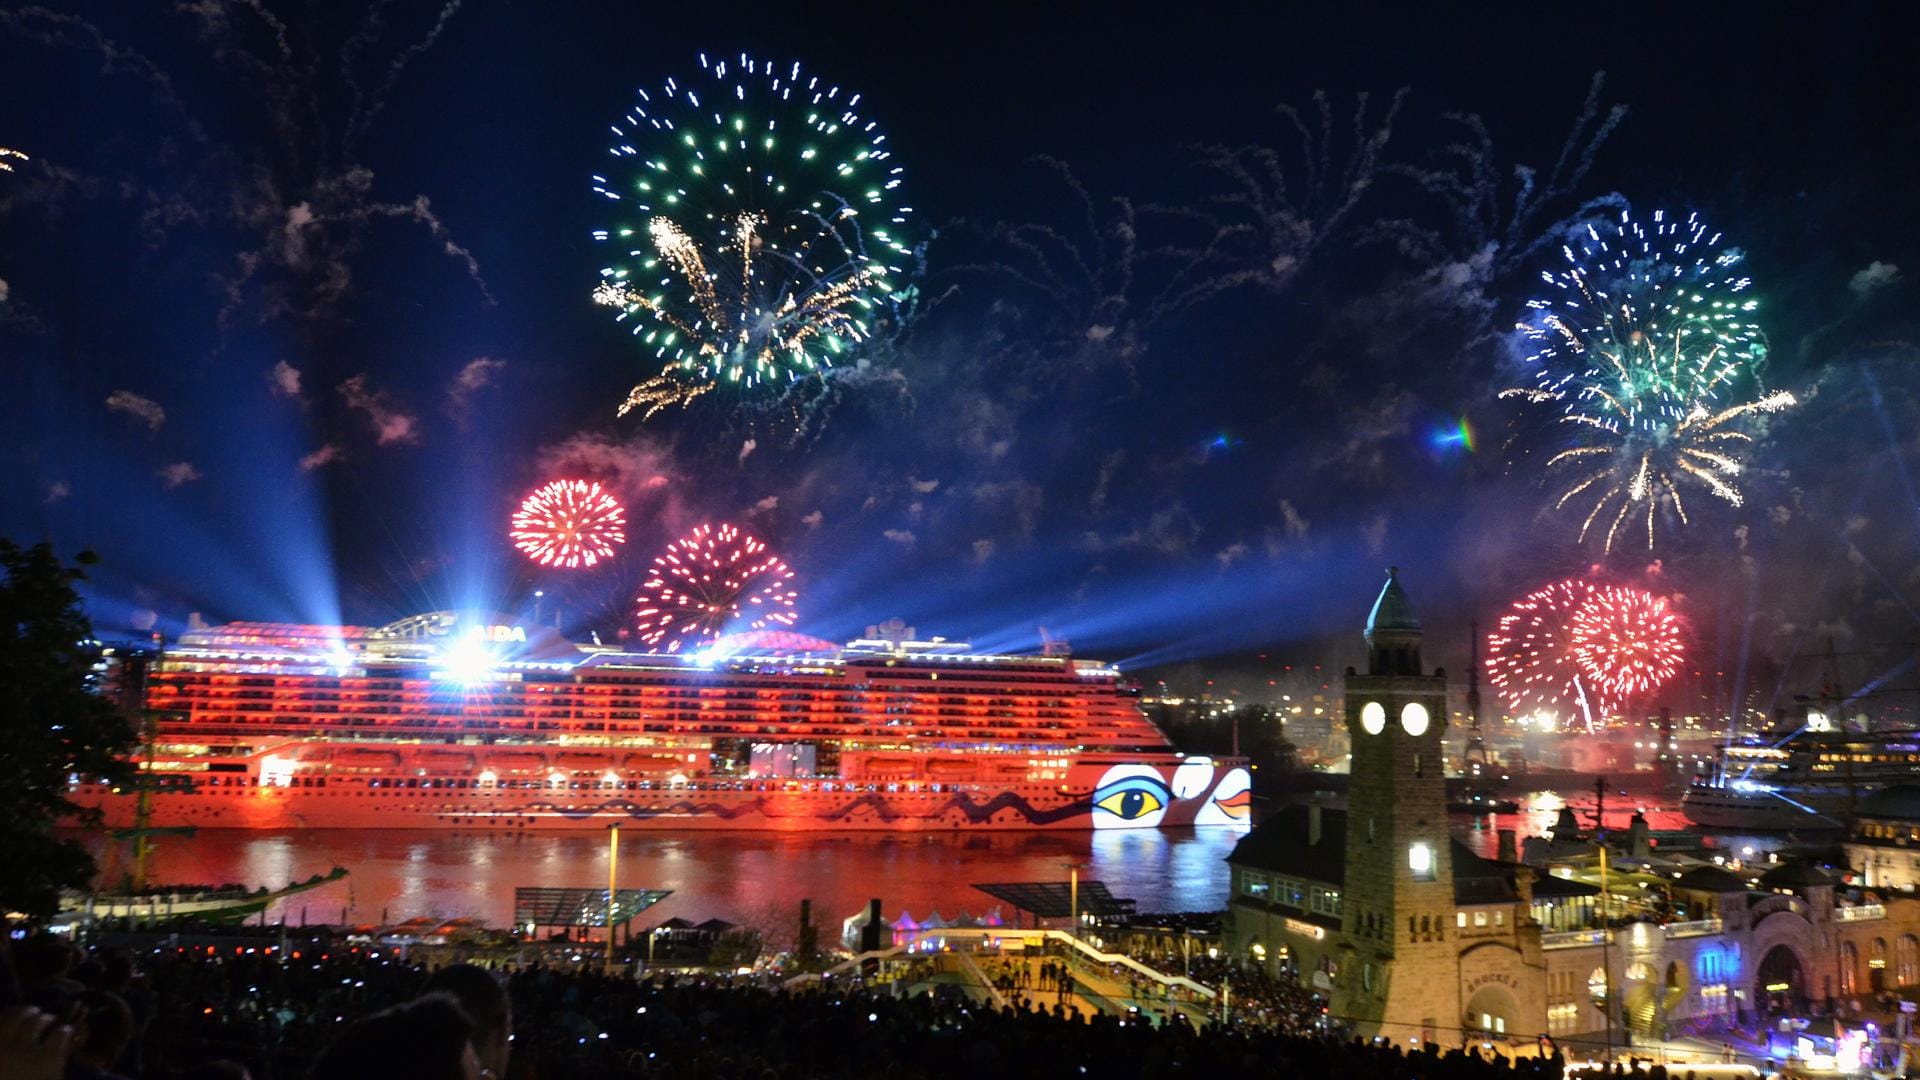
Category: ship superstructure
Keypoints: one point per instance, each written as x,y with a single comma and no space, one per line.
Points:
1810,779
445,720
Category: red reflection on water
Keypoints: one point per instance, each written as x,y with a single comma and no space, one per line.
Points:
1540,809
753,878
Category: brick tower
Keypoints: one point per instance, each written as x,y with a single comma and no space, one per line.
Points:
1398,908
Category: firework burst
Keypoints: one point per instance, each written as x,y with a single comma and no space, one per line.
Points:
1627,641
760,234
1531,657
9,156
714,580
570,524
1647,343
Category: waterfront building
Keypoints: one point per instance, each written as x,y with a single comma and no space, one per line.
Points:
1413,937
1884,842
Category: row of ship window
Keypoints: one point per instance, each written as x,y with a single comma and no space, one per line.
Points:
732,686
835,702
455,784
1000,718
214,725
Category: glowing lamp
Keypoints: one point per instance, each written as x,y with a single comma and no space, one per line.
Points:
467,660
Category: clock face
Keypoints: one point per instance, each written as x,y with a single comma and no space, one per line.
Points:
1414,718
1373,717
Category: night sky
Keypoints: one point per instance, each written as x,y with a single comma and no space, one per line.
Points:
295,309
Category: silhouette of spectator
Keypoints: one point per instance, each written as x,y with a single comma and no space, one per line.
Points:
105,1028
429,1038
217,1070
485,1002
44,964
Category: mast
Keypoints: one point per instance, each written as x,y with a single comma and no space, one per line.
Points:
1476,751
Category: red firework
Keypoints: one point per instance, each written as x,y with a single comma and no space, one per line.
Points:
1627,641
1531,656
569,523
715,580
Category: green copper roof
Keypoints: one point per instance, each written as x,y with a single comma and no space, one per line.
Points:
1392,611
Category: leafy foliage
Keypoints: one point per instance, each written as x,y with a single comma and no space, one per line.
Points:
53,724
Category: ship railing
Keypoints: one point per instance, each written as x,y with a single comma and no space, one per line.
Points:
1695,928
1860,912
1574,938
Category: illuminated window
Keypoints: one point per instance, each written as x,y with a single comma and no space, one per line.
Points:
1420,861
1414,718
1373,717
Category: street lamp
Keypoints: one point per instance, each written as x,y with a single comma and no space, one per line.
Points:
613,883
1073,894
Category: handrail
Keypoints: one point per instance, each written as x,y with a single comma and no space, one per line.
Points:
1575,937
1064,938
992,934
999,999
844,965
1694,928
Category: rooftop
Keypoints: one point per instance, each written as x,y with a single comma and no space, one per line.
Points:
1392,611
1281,845
1901,802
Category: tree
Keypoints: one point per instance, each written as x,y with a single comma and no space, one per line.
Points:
54,727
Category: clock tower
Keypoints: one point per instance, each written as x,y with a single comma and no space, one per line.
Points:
1398,909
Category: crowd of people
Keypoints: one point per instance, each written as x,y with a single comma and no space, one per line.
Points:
220,1013
1282,1004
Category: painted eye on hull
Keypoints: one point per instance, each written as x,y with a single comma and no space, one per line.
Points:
1133,802
1130,797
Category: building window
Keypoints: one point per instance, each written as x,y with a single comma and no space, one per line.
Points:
1479,918
1460,919
1420,861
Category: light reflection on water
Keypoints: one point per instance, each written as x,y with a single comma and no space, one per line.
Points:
1540,809
742,877
761,877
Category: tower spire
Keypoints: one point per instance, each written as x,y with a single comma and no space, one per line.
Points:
1393,631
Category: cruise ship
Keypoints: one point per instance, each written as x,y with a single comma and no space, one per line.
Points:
1809,780
447,721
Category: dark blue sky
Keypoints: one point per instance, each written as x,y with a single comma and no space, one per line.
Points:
387,206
